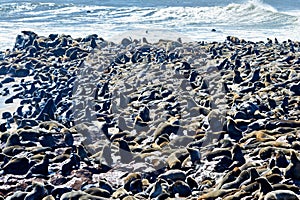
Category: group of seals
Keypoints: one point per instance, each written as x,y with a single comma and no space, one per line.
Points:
134,120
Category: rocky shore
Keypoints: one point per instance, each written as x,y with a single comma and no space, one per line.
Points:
87,118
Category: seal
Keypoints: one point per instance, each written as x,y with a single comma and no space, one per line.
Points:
181,188
264,187
238,195
228,177
267,191
62,157
13,140
38,192
253,176
39,169
98,192
281,160
129,179
237,154
244,175
281,194
237,77
48,197
218,152
82,152
71,163
216,193
17,195
156,190
106,186
124,151
293,168
173,162
173,175
79,195
13,166
192,182
259,135
233,131
194,155
68,139
48,140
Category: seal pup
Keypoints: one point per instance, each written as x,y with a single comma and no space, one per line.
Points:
105,186
68,139
82,152
194,155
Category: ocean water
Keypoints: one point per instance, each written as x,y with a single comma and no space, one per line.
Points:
113,19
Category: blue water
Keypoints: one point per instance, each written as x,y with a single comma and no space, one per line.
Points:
112,19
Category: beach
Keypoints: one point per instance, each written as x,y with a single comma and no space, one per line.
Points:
88,118
150,100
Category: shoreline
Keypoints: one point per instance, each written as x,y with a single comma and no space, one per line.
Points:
153,35
136,119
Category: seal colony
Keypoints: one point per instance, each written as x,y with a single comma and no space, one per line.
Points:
87,118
